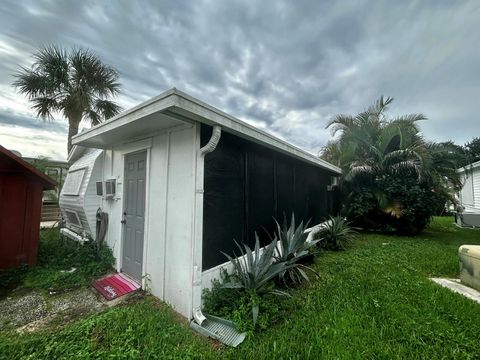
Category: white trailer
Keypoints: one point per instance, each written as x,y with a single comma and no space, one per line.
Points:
78,199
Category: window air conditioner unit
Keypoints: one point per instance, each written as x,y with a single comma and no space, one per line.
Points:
99,188
110,188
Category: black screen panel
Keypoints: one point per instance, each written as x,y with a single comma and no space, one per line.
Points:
246,185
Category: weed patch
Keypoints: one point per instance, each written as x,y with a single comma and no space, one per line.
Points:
63,264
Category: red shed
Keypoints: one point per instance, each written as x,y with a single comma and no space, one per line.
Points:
21,190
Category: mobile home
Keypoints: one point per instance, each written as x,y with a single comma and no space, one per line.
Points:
180,180
468,213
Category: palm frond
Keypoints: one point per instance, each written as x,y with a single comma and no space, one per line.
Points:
88,71
51,63
380,106
340,123
410,119
44,107
107,109
31,84
390,139
407,165
359,169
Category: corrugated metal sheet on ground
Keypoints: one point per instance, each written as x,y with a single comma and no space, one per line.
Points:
219,329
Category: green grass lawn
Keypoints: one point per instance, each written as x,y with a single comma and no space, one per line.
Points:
374,300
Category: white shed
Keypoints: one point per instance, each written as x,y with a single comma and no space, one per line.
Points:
469,196
189,179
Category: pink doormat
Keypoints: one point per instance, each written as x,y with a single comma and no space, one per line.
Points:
114,286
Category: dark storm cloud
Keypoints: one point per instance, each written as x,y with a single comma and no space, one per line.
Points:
14,120
285,66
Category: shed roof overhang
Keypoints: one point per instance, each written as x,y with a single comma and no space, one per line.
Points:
173,108
11,163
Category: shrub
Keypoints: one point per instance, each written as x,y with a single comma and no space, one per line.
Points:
408,210
236,305
292,248
219,300
336,234
271,311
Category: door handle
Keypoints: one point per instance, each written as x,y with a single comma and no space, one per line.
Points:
123,221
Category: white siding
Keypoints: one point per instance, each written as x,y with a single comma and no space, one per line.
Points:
170,193
180,222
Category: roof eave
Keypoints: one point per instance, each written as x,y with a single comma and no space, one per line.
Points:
158,103
189,107
468,167
204,111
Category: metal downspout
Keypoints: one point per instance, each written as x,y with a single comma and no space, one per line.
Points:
213,142
197,275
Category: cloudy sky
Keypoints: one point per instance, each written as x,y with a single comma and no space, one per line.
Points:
284,66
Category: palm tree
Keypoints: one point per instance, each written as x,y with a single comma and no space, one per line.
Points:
370,144
75,84
372,150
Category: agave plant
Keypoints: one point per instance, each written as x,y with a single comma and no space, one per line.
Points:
336,234
292,247
253,271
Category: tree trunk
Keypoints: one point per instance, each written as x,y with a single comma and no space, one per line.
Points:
73,123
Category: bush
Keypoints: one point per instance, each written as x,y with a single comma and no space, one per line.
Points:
398,203
236,305
271,311
219,300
